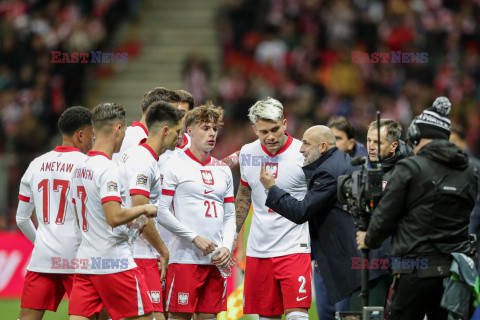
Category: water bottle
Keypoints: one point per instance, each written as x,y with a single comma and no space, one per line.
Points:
134,228
224,271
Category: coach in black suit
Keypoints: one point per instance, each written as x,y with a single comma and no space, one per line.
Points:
332,230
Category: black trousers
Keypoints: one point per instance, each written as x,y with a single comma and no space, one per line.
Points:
413,297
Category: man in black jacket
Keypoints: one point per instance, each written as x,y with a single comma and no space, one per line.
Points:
426,207
392,150
332,230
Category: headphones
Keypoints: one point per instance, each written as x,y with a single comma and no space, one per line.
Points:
413,133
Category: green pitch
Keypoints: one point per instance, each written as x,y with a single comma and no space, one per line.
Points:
9,309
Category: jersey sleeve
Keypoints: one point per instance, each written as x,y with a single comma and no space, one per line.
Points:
110,184
26,193
169,179
139,177
26,206
243,176
165,216
229,219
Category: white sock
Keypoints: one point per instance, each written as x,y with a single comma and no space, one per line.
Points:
297,315
264,318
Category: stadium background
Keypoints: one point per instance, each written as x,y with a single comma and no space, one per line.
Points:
233,52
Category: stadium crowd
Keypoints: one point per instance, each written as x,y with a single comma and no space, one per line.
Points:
34,91
301,52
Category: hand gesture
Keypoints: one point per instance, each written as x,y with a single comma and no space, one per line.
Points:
205,245
151,210
221,257
266,178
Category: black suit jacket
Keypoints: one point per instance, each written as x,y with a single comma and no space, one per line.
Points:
332,229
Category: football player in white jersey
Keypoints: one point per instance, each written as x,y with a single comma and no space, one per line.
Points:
278,250
201,188
106,274
43,188
140,175
138,131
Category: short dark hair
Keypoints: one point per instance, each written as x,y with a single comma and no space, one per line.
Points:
74,118
205,113
158,94
162,111
104,113
186,97
342,124
459,130
394,129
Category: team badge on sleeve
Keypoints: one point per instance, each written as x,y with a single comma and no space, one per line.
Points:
272,168
207,177
183,298
112,186
142,180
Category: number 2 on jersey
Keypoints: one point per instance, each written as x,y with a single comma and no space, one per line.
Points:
207,203
61,186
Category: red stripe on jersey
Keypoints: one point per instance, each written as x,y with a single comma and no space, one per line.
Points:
185,142
140,192
65,149
23,198
138,124
229,199
98,153
245,184
111,198
168,192
283,148
146,146
190,154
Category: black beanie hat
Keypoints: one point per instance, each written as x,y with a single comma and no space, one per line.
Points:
433,123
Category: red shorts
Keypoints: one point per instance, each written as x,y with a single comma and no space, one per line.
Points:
44,291
151,274
275,284
124,294
195,288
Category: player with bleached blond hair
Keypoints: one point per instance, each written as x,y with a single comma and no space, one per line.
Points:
278,250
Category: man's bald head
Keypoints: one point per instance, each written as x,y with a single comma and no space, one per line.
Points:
320,134
316,141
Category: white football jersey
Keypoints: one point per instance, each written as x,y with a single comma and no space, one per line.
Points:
272,235
45,184
164,233
200,192
139,174
105,249
134,135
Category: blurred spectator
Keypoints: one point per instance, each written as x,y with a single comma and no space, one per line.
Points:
33,90
286,46
196,75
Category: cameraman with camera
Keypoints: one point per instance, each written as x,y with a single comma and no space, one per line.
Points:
392,150
426,208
